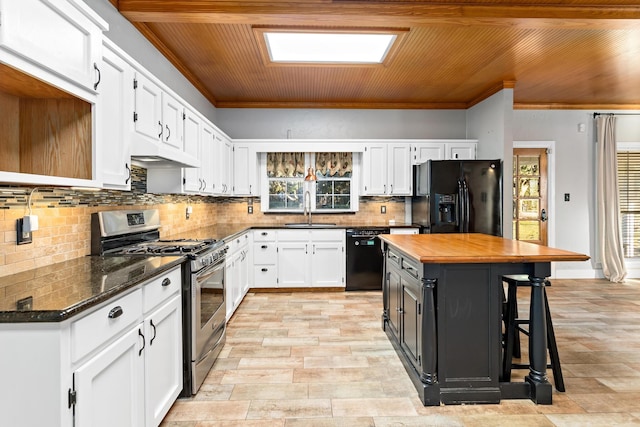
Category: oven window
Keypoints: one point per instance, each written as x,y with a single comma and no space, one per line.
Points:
211,292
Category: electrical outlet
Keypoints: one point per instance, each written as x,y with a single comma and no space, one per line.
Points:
25,304
250,210
567,197
383,209
22,237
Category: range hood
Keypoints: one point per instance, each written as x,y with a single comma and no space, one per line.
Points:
152,155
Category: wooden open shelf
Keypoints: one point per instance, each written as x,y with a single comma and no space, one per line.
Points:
43,130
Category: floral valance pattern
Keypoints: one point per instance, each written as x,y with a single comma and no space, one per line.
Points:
292,165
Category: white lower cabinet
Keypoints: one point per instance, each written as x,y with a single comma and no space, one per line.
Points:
118,365
303,258
134,381
237,268
327,263
162,360
265,259
110,386
293,262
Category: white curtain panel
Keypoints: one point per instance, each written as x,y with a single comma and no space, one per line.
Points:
609,231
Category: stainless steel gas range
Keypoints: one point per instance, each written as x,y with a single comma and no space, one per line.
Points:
136,233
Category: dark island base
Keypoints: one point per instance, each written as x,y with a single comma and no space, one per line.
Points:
431,394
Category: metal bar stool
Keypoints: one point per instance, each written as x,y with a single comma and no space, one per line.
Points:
514,325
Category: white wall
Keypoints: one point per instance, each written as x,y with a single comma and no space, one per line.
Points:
129,39
246,123
575,174
490,122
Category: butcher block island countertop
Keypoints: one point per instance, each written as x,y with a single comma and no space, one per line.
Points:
443,298
475,248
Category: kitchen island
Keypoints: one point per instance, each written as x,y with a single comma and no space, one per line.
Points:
443,298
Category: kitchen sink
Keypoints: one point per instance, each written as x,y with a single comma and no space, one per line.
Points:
313,225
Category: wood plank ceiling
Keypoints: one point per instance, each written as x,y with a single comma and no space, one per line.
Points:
555,54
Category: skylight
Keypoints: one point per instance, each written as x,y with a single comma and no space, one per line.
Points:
326,47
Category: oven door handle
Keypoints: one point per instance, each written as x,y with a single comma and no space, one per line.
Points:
209,271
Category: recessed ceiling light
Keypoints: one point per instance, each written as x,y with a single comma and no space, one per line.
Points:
326,47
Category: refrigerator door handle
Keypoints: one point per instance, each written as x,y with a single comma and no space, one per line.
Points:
467,213
461,209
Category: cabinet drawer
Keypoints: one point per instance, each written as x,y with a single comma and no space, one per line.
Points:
238,242
99,327
162,287
264,253
265,276
393,258
264,235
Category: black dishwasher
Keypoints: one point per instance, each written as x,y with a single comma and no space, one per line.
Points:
364,259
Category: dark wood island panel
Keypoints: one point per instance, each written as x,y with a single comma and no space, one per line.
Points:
442,312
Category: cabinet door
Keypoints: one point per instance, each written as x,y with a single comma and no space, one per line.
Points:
207,156
244,171
192,145
410,325
427,151
56,35
163,360
222,164
327,264
172,122
232,282
110,386
148,108
293,267
244,274
400,170
114,109
374,170
393,280
461,151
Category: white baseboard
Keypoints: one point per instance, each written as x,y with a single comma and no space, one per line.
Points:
596,273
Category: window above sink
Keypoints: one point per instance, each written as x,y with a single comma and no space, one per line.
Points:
331,185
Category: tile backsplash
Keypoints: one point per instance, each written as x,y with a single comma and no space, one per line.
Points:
65,217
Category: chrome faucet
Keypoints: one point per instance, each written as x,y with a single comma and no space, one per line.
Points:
307,205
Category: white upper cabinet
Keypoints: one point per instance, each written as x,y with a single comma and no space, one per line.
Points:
222,165
147,116
192,144
443,150
421,152
158,126
386,169
245,166
172,122
114,108
462,150
207,157
61,38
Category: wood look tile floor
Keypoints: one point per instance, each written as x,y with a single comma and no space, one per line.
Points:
322,359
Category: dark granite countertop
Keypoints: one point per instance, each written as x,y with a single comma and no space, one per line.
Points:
62,290
228,231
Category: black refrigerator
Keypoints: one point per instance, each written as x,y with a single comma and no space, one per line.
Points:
458,196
